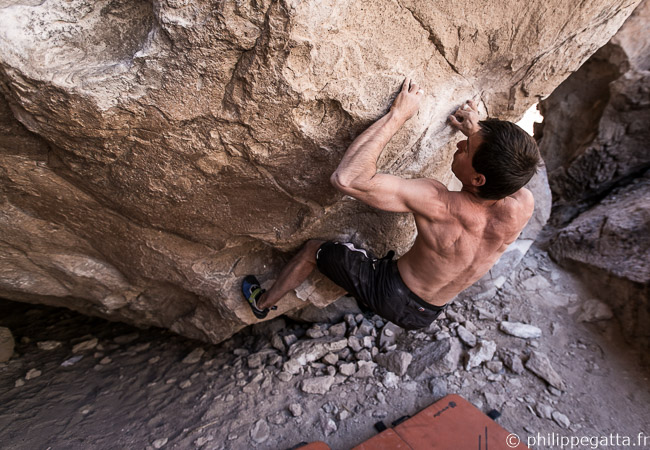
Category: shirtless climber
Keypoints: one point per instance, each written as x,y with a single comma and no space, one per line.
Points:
460,234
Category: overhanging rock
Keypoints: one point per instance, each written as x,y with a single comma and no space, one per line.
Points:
175,146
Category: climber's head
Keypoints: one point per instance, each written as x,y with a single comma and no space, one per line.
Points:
503,159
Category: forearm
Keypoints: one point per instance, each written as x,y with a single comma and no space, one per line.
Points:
359,164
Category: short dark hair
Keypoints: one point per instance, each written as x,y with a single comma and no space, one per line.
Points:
508,158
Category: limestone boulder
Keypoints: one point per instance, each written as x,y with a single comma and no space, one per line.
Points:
154,152
595,132
595,141
613,236
609,246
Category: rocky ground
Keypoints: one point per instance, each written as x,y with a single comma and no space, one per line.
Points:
542,351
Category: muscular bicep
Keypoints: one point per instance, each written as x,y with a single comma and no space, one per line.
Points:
390,193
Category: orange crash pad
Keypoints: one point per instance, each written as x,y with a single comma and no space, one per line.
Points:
451,423
318,445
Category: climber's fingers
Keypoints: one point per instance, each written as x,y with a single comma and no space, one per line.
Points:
472,104
454,121
462,114
406,84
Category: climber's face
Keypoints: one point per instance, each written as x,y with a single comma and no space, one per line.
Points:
462,163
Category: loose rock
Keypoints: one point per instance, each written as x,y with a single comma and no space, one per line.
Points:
364,355
485,314
194,356
140,347
126,338
520,330
277,343
366,327
494,401
396,361
85,346
389,335
71,361
290,339
539,364
561,419
350,320
365,370
159,443
313,350
317,385
354,343
292,366
390,380
314,332
47,345
440,335
285,376
494,366
330,358
201,441
295,409
454,316
543,411
438,387
255,360
481,353
7,344
512,362
594,310
466,336
260,431
347,369
329,427
470,326
426,356
536,283
33,373
338,330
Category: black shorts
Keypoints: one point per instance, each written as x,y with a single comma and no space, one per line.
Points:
376,284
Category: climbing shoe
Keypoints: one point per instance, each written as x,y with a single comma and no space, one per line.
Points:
252,292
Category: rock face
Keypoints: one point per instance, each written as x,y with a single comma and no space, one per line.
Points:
610,246
614,235
153,153
595,131
599,171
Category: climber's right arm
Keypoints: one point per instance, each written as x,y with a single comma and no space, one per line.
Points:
423,196
357,172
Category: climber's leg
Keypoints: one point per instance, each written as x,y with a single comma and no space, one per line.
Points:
293,274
